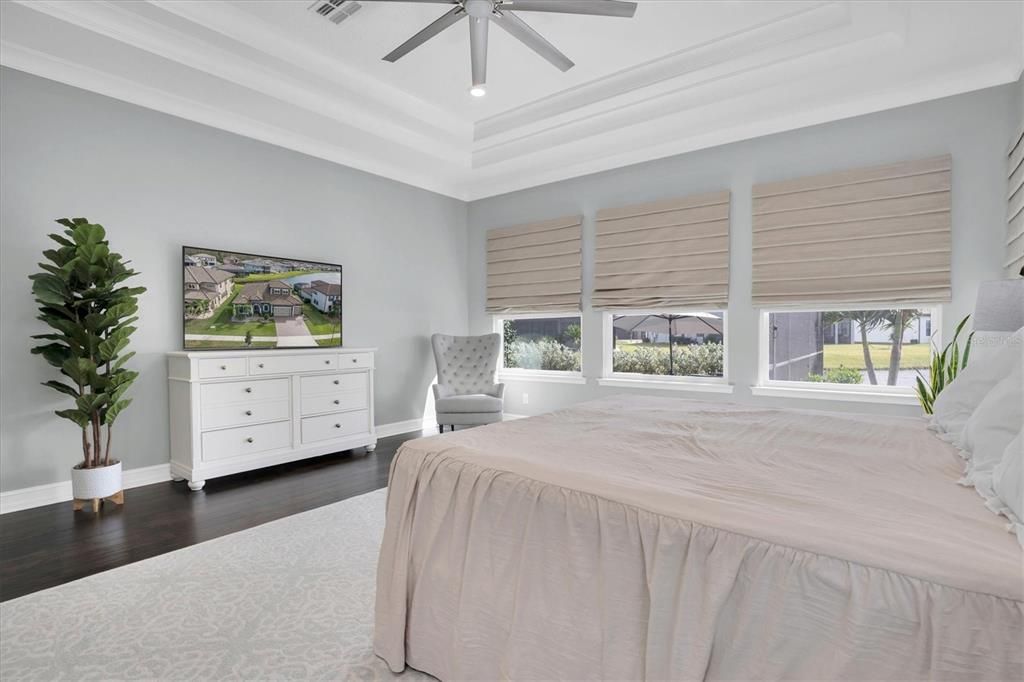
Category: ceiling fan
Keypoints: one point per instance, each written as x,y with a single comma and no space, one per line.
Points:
482,12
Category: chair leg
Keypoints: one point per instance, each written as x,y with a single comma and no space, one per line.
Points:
440,428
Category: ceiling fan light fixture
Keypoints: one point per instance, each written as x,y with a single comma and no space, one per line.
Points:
481,13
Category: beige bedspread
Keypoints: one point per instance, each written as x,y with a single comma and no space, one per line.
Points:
650,538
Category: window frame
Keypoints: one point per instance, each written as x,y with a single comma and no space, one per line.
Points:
609,377
550,375
903,395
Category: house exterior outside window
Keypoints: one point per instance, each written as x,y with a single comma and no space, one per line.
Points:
871,351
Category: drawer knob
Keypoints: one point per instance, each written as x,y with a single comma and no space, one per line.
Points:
337,402
355,360
260,365
224,367
248,413
327,362
248,389
248,440
337,426
336,382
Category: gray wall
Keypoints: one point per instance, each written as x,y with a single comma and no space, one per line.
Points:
157,182
974,128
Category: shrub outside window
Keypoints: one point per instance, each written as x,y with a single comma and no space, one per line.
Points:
546,343
872,349
667,345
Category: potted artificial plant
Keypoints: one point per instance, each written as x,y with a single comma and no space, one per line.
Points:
81,296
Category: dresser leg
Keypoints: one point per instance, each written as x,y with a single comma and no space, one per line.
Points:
196,486
371,447
177,479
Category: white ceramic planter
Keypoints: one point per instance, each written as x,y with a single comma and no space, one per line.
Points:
87,484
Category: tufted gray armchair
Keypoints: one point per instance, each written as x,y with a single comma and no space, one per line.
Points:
465,393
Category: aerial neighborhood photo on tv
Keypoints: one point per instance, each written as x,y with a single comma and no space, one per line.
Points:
244,301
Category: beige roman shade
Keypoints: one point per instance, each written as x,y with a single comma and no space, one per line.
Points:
534,268
1015,208
665,255
871,235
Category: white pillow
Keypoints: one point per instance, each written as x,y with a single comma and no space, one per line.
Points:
992,426
957,401
1008,482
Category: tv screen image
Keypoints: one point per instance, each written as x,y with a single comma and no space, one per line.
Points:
246,301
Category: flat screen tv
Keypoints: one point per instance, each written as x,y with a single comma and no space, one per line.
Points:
244,301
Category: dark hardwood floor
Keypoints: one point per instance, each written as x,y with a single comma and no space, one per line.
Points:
51,545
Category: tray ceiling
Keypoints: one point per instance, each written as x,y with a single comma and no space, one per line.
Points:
678,76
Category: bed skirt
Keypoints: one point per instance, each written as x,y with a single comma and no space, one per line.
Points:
485,574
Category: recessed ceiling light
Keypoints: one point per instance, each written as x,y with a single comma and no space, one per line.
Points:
478,91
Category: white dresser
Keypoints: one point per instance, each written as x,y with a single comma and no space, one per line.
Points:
233,411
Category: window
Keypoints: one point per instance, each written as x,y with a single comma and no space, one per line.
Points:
664,348
876,349
540,343
669,344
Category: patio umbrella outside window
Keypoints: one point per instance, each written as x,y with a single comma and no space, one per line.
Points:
675,325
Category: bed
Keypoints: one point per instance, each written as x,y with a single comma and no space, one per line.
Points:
649,538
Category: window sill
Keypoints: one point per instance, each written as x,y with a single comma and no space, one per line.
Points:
667,385
886,397
549,376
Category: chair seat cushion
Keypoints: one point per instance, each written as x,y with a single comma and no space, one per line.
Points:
474,402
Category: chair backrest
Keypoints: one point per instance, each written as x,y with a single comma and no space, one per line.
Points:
466,364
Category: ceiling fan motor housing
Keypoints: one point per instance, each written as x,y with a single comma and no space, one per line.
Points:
479,9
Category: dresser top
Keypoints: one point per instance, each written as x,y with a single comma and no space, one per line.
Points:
265,352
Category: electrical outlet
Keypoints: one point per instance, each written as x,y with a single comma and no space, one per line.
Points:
526,399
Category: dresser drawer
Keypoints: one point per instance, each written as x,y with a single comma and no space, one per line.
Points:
337,402
246,440
292,364
240,414
213,368
253,390
355,360
332,383
330,426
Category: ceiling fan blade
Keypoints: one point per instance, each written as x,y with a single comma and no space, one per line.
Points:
438,2
521,30
432,29
604,8
478,48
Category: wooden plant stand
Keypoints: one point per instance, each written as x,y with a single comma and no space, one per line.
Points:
116,498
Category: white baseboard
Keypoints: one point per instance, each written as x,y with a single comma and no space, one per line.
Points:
53,493
428,425
407,426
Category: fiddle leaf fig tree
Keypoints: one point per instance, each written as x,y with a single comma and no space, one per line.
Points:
82,297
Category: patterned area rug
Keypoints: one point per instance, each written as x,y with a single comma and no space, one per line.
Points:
291,599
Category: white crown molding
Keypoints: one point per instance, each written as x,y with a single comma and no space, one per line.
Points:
668,138
775,55
357,109
725,49
217,64
229,21
61,70
767,77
